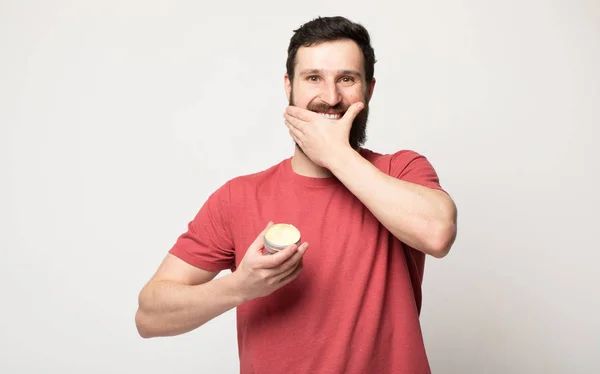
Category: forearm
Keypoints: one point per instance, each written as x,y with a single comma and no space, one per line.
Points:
167,308
418,216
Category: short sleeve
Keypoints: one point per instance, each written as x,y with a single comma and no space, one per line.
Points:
208,243
415,168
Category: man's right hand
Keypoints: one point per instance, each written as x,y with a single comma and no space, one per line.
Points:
259,275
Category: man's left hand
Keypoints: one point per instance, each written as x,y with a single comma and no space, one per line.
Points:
319,137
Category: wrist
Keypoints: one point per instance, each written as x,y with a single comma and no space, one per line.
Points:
339,158
236,288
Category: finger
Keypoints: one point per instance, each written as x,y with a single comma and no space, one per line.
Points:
295,122
276,259
258,243
296,260
293,275
301,114
295,134
293,130
298,141
283,275
353,111
292,261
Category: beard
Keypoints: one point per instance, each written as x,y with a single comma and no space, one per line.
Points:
358,131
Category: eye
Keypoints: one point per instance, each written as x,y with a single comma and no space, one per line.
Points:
313,78
347,79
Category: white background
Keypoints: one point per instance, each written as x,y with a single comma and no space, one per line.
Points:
119,118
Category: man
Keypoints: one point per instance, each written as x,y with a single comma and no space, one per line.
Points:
350,303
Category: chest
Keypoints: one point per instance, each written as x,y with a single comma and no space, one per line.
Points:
341,231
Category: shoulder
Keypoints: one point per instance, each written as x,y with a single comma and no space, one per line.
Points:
244,185
252,180
400,159
407,165
240,190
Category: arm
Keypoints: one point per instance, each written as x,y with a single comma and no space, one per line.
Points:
181,297
421,217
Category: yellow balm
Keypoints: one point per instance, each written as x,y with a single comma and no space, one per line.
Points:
281,235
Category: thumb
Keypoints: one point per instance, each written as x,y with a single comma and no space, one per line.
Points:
258,243
353,111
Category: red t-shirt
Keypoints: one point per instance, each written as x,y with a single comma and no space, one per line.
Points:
355,307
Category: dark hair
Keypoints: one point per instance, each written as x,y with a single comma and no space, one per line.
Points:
324,29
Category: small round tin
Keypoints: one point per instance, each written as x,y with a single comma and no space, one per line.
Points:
279,236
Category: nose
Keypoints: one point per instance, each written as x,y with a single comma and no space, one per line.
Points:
331,95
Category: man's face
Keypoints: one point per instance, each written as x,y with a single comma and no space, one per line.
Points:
329,78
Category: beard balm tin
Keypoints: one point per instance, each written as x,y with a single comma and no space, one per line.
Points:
279,236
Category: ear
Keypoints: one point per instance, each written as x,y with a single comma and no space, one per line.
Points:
371,89
287,83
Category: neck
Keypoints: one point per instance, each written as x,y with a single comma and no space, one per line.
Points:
304,166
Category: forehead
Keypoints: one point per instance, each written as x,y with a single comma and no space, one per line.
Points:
335,55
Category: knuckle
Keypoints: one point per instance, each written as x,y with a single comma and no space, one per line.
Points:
263,275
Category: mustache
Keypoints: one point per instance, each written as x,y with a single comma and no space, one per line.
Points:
320,107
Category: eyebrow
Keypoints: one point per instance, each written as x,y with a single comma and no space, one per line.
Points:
339,72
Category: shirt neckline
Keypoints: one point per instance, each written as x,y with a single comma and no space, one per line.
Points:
289,173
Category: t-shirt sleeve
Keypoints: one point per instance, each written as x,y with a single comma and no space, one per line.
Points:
415,168
208,241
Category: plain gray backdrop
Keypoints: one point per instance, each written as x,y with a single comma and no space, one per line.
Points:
119,118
